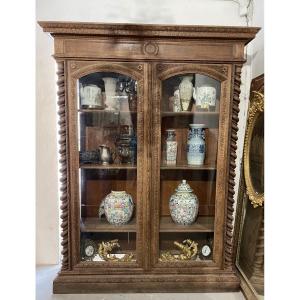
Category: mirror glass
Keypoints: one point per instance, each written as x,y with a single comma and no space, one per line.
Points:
256,155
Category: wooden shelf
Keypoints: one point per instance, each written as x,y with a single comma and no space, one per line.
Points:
187,167
95,225
108,167
202,224
91,110
189,113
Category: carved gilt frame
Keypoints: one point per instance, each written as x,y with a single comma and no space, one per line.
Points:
256,108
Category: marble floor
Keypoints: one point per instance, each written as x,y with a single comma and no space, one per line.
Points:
45,275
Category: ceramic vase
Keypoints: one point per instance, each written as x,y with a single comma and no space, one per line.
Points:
205,97
176,103
110,85
171,147
118,208
184,205
186,92
196,144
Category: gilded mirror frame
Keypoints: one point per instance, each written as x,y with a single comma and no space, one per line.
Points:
255,110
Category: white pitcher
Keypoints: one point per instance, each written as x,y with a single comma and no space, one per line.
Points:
90,96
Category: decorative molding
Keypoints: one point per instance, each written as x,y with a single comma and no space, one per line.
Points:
64,198
134,70
228,247
218,72
136,30
150,48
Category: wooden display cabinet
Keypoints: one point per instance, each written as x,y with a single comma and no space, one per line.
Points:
151,61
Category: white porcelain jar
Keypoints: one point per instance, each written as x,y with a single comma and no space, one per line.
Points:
90,96
111,99
205,97
184,205
186,92
118,208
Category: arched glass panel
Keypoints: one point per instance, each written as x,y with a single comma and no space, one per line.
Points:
189,135
107,118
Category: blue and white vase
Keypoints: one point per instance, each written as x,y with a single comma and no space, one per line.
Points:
184,205
117,207
196,144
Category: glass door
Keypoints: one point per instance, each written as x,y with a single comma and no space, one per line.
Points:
109,179
186,196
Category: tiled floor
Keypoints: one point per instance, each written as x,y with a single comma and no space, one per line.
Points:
45,275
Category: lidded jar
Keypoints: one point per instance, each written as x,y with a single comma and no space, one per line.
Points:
118,208
184,205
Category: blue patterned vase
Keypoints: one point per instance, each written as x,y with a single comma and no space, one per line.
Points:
117,207
196,144
184,205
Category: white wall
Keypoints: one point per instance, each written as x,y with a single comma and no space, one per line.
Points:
205,12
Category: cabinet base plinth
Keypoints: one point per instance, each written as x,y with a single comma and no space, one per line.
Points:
85,284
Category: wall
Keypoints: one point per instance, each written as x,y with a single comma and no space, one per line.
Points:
205,12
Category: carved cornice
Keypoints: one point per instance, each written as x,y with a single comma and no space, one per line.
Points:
63,166
232,166
150,30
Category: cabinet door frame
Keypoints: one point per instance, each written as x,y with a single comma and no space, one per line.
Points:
224,74
75,70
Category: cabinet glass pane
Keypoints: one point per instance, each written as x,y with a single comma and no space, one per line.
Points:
107,118
189,135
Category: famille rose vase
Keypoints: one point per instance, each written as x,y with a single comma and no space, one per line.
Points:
117,207
184,205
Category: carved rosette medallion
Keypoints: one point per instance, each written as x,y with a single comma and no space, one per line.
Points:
150,48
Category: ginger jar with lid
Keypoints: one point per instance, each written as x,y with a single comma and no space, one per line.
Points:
184,205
